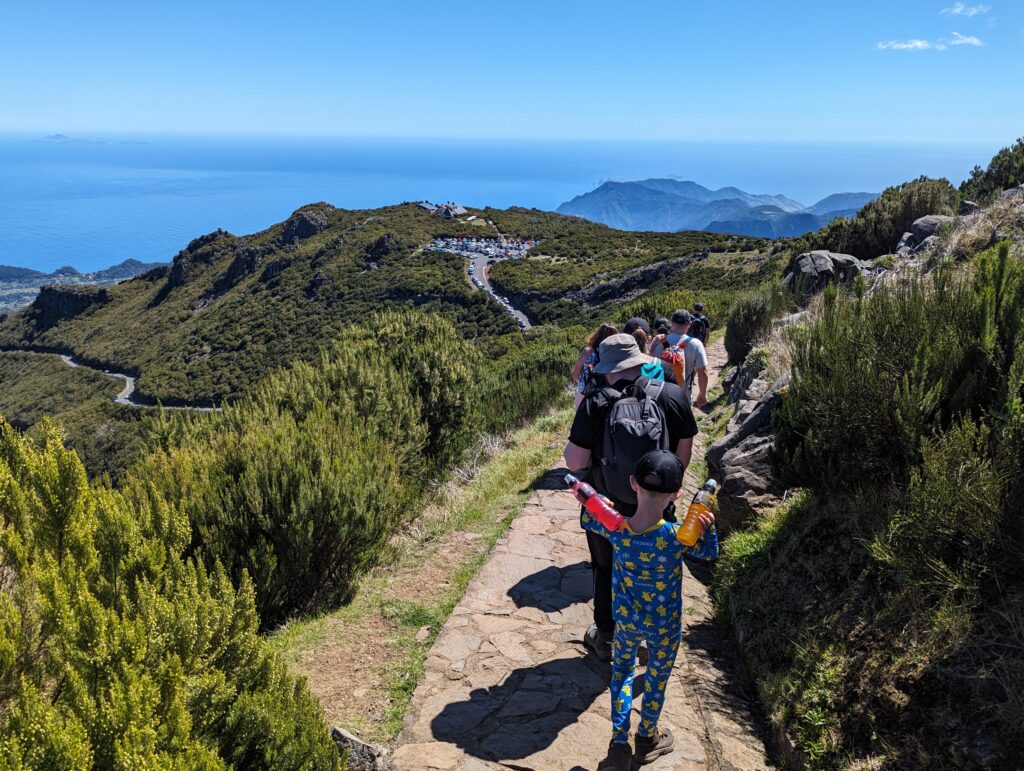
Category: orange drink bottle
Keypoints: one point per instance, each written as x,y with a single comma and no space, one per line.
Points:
690,530
595,504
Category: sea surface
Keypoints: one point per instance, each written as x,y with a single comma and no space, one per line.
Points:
93,201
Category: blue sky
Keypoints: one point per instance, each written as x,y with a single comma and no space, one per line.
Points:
915,70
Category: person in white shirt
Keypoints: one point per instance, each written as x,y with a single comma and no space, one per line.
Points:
694,355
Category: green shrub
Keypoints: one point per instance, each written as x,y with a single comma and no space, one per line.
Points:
1005,170
300,484
118,652
876,375
878,226
882,609
750,320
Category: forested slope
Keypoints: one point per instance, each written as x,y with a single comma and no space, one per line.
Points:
881,607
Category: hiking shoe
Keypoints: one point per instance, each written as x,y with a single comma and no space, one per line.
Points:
598,642
650,747
617,759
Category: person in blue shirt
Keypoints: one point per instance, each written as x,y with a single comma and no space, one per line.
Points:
647,578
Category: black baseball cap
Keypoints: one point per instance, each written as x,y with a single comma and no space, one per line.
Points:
699,307
661,323
659,471
634,324
681,317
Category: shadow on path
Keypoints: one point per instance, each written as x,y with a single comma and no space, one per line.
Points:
524,714
551,480
554,588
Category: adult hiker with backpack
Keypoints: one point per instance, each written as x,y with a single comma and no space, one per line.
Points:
685,354
700,325
614,426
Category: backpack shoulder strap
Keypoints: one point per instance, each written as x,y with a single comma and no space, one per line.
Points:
652,390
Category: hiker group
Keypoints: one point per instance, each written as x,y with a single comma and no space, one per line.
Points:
632,439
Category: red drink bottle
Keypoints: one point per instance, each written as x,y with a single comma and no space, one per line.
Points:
595,504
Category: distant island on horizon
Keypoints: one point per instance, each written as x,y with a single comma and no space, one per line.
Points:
671,205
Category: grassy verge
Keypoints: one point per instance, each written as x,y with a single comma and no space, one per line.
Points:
363,661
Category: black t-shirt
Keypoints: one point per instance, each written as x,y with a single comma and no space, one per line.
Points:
588,426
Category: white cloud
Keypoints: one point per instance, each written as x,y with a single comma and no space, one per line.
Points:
962,9
915,44
965,40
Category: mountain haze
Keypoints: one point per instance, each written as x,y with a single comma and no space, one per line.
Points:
673,205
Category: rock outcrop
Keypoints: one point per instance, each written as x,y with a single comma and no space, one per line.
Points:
739,460
810,272
1014,194
928,226
58,302
361,756
968,208
306,222
201,251
924,235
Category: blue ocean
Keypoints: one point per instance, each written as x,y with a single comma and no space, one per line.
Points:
93,201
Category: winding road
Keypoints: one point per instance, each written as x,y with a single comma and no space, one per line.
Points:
127,394
479,263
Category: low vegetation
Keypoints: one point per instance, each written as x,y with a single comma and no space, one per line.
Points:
374,647
106,436
116,649
233,308
750,319
882,609
299,485
878,226
1005,170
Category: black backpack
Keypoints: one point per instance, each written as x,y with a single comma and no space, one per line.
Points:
699,328
634,425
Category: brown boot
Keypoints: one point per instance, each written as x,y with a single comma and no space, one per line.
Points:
650,747
618,758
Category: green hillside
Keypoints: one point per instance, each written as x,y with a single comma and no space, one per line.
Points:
231,308
582,270
78,399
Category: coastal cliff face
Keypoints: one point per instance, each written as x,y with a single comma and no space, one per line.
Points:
56,303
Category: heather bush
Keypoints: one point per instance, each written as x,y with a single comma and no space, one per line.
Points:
750,320
878,226
1005,170
903,423
300,484
116,650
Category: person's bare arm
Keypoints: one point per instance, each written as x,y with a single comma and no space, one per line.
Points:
576,457
684,451
577,368
702,387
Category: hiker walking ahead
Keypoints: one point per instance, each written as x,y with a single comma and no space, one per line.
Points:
700,326
655,369
647,600
685,354
583,369
614,427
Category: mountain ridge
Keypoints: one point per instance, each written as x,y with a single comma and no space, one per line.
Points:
124,269
667,205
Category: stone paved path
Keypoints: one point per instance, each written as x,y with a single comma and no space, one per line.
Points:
509,684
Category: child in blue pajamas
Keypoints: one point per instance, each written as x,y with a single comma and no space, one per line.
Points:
647,576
